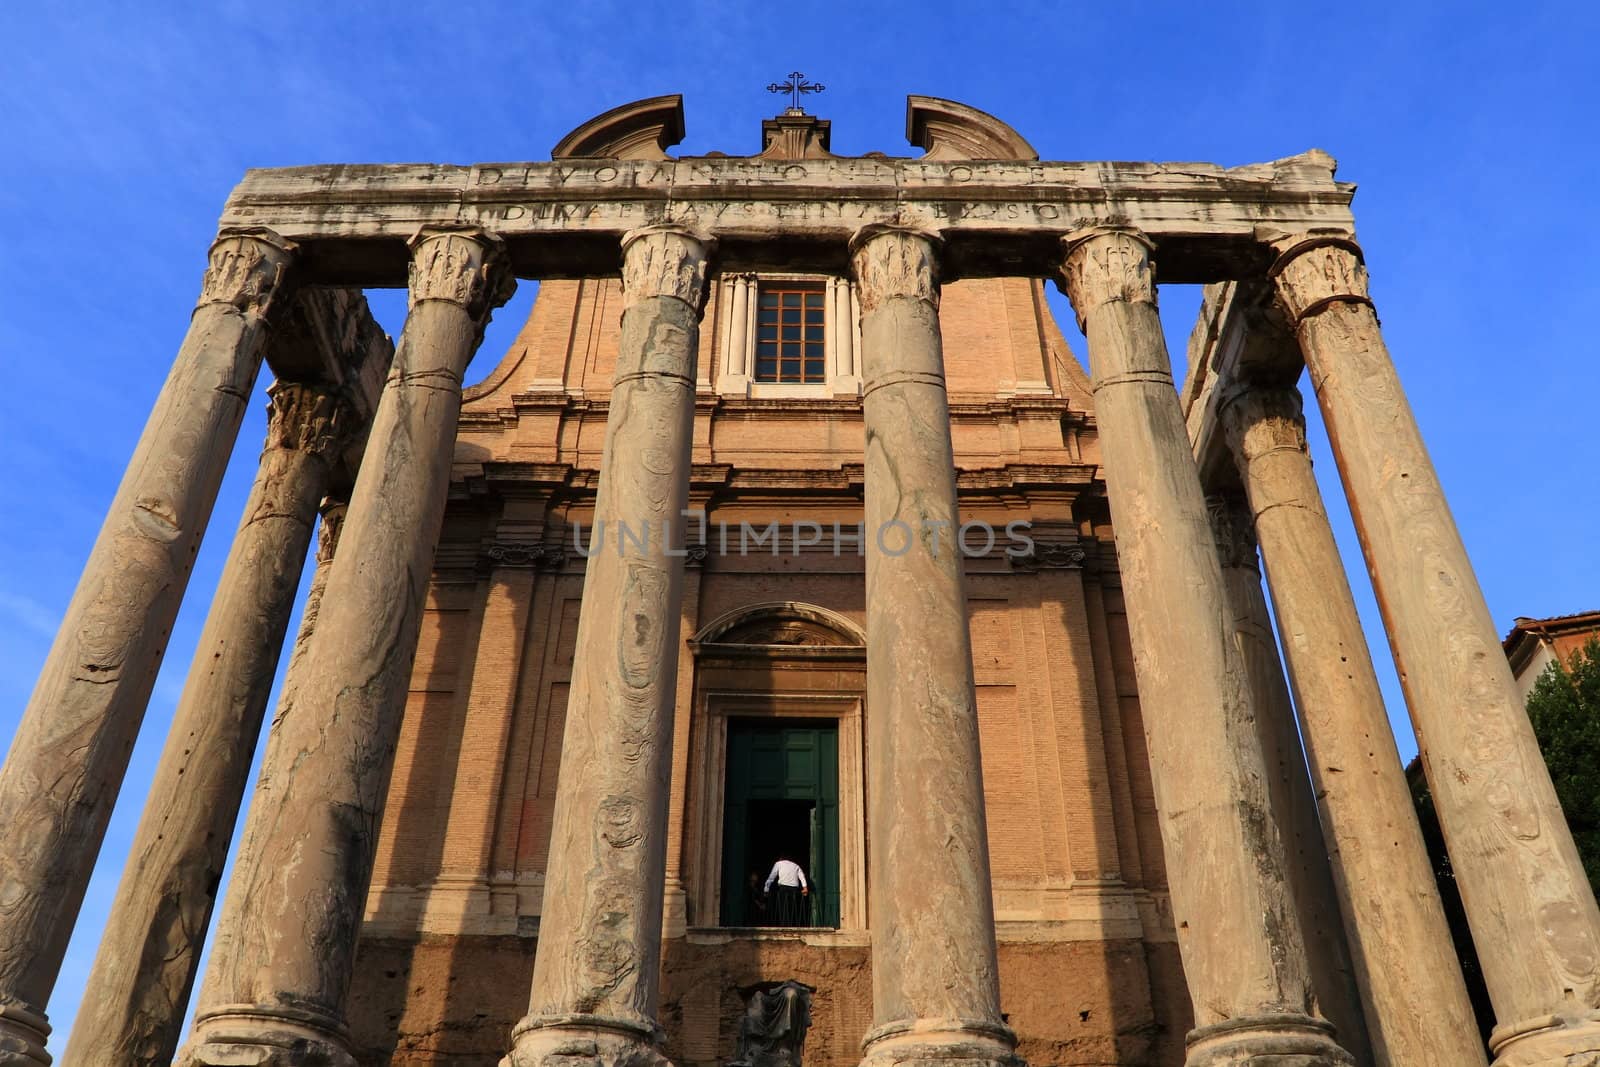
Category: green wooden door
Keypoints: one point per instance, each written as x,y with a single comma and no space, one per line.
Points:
782,799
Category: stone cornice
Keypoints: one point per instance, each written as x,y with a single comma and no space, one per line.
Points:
566,218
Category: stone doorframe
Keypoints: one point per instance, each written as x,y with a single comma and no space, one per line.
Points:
775,661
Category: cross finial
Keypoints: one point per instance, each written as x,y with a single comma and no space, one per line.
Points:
796,85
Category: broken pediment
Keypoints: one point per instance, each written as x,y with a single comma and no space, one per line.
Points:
945,129
644,129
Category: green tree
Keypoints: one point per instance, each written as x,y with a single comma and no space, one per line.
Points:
1564,707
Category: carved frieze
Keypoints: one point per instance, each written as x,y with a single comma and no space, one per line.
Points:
895,261
464,266
1318,271
516,554
247,270
1050,555
665,260
1102,265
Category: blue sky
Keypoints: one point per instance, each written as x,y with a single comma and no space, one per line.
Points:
1471,130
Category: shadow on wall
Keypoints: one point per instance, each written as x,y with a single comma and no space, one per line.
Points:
440,999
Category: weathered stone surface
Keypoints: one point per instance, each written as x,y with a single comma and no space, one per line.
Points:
773,1030
998,217
1532,911
1243,951
1294,806
1397,933
68,758
139,988
275,988
935,983
595,980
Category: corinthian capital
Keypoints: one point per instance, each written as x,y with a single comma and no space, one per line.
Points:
1104,264
665,260
1313,272
463,266
247,269
1259,420
333,511
892,259
1233,529
305,418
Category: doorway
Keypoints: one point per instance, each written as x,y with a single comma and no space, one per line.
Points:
782,800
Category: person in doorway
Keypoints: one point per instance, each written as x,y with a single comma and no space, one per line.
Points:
789,903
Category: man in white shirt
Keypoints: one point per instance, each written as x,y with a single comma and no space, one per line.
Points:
789,906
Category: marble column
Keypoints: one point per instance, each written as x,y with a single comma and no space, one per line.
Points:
139,987
1386,892
1243,952
1294,805
596,973
274,992
1532,911
935,981
71,749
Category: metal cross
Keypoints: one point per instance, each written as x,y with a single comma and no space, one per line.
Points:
796,85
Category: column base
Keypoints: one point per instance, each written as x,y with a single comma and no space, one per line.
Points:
584,1041
937,1042
1286,1040
1548,1041
23,1032
246,1036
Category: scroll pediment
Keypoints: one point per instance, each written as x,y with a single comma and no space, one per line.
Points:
644,129
945,129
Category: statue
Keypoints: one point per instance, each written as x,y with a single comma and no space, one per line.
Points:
773,1030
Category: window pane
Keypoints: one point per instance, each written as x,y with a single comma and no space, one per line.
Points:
791,300
766,333
814,300
791,333
814,333
813,370
814,317
769,300
767,349
766,370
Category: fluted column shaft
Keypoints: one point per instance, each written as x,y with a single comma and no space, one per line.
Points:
134,1002
71,750
1398,937
275,988
1294,805
1243,952
596,973
935,982
1532,911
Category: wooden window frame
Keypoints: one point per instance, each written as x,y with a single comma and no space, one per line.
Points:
791,333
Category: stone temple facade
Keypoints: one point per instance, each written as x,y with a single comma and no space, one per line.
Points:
785,530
